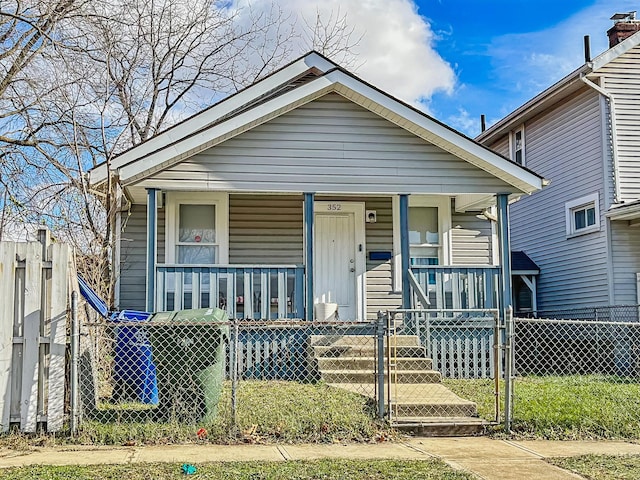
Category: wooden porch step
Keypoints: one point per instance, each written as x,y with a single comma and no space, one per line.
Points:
364,376
369,363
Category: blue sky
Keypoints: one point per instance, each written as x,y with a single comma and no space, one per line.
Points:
503,52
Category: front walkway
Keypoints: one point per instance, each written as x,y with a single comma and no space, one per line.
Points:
488,459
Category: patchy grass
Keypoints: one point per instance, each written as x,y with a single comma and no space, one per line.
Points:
564,407
268,411
602,467
431,469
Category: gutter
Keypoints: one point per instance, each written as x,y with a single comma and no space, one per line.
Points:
614,134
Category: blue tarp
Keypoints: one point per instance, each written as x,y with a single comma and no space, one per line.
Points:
134,371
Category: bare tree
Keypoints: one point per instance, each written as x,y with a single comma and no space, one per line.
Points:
81,81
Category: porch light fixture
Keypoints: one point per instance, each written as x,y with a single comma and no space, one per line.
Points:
371,216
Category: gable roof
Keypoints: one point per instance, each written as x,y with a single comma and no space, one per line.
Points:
300,82
559,90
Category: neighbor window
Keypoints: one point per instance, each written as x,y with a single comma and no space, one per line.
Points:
582,215
517,145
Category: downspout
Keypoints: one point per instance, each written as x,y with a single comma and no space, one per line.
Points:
616,183
614,133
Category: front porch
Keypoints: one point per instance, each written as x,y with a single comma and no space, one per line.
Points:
380,265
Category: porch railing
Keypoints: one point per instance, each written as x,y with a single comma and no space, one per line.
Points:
460,287
244,291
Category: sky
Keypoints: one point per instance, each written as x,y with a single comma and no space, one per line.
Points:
458,59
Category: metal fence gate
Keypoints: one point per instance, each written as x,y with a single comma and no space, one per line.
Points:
435,358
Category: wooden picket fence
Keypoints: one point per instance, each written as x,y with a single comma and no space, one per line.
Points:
34,292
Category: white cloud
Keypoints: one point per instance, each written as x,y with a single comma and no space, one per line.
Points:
533,61
396,51
463,122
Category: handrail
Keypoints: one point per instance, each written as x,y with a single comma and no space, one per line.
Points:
413,281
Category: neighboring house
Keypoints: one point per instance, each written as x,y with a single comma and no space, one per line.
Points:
583,134
312,187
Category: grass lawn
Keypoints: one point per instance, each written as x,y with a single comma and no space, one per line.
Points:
322,469
602,467
564,407
267,411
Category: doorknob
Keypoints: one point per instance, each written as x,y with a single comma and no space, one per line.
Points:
352,269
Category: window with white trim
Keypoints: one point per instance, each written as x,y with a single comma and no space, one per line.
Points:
516,140
424,236
582,215
196,228
429,232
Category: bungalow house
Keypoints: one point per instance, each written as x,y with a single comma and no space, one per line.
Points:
311,188
583,133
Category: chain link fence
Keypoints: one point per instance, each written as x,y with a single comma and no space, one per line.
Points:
578,370
199,372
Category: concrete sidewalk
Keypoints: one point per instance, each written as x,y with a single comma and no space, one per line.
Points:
488,459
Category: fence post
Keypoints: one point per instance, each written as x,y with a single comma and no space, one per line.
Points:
508,369
75,340
380,326
234,375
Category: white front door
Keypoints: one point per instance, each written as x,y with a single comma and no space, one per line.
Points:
339,257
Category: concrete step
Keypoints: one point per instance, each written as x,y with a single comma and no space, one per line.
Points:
362,340
369,363
364,376
442,426
366,351
418,400
435,409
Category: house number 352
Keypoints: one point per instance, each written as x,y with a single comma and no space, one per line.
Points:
334,207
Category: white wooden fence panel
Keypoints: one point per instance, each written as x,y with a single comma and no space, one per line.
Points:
31,253
7,285
58,336
34,287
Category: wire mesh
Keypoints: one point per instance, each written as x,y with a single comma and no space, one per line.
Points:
578,370
437,361
199,372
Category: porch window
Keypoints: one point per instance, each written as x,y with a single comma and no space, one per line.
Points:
197,234
582,215
197,228
429,233
424,238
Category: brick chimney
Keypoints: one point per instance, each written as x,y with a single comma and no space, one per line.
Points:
624,25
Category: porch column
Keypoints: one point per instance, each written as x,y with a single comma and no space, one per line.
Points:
404,250
504,300
152,236
504,248
308,254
